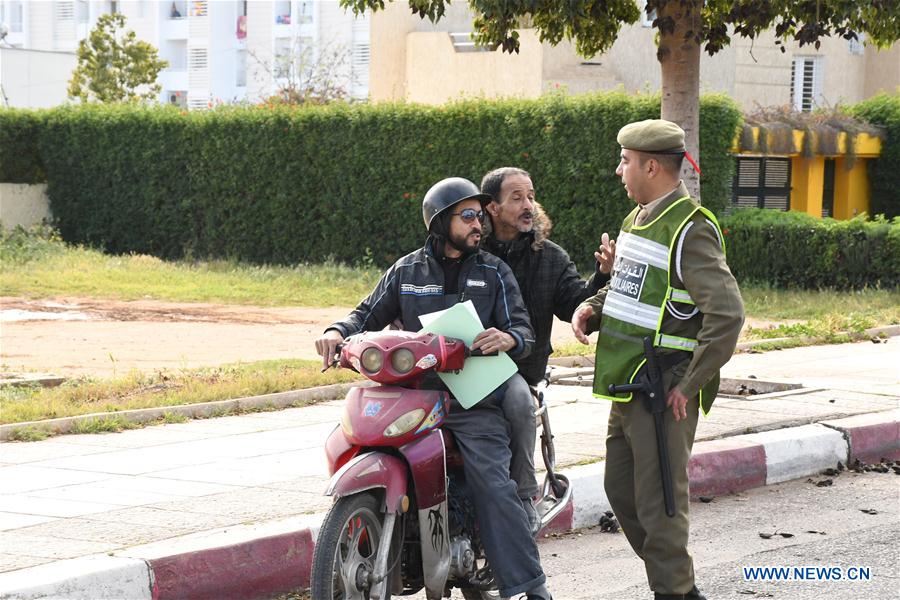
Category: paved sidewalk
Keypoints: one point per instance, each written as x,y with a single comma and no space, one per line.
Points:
234,502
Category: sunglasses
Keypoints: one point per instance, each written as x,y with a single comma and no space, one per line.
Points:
468,215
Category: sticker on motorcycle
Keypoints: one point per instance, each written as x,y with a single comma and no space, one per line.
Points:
371,409
435,417
436,521
426,362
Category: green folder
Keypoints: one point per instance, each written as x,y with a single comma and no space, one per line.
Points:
480,375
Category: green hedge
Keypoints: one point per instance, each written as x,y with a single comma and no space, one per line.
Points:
884,172
797,250
20,160
288,185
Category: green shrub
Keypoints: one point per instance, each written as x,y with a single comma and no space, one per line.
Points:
277,184
884,172
20,160
19,246
796,250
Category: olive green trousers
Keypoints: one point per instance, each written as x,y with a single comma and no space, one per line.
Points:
634,489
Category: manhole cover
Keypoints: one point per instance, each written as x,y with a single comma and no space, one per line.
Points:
749,388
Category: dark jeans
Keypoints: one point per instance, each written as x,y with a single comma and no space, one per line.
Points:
518,408
482,435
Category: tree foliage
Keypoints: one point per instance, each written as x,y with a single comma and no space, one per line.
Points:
593,25
114,66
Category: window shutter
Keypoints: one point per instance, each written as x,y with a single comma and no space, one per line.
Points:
761,182
360,58
64,25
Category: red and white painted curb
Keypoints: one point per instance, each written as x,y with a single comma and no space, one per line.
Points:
256,561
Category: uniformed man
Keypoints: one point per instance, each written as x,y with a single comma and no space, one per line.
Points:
670,281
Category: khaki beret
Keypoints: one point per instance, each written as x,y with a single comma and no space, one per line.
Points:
652,135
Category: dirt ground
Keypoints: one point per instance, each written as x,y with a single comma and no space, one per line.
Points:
105,338
82,336
85,336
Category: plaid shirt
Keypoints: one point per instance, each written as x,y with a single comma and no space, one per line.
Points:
550,285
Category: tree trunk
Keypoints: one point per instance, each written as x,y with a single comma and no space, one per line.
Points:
679,61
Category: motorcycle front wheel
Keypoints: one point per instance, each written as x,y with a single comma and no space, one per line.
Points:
345,553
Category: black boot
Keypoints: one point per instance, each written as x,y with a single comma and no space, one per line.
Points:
694,594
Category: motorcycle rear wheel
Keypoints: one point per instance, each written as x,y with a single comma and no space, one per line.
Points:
346,550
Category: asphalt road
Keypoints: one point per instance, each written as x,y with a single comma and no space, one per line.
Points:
725,538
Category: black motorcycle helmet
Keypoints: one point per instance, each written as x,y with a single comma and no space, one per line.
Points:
445,194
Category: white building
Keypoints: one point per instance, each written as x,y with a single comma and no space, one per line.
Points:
218,50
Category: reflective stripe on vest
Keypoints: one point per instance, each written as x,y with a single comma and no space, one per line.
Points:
640,293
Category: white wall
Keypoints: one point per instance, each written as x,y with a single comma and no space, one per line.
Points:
23,204
35,78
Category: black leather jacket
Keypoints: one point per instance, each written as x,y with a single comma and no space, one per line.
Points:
414,286
550,284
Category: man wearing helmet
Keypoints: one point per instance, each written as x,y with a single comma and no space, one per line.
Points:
449,269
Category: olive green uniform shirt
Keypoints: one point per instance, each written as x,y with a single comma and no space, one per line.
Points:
703,272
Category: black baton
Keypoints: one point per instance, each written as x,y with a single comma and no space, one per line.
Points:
654,397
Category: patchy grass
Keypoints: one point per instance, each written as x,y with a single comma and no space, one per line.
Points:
807,317
868,307
38,264
162,388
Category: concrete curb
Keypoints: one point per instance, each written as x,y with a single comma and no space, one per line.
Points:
886,331
871,437
254,561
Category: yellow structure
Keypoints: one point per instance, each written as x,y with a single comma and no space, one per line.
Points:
851,181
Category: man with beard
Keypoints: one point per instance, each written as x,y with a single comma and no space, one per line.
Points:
518,232
449,269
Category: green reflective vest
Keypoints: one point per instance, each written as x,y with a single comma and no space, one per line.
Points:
641,294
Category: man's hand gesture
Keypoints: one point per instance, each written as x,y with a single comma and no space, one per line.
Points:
606,254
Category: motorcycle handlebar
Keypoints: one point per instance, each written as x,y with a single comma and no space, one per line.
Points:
335,358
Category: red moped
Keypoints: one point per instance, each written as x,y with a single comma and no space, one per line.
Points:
401,520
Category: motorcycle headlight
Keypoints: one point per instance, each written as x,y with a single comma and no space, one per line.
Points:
372,359
404,423
403,360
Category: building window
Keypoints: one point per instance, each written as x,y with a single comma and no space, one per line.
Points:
283,58
305,12
82,12
857,46
806,83
16,13
283,12
178,10
762,182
